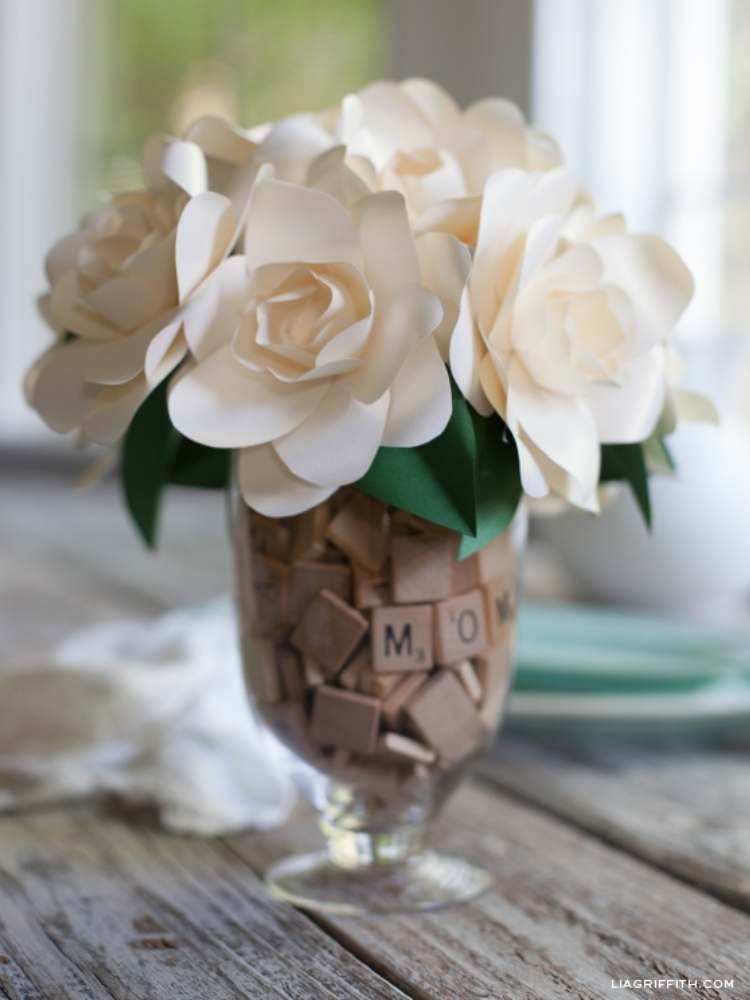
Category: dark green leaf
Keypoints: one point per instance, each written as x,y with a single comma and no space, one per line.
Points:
198,466
627,463
666,453
435,481
148,451
498,482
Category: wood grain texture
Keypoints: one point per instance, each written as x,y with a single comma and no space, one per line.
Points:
93,907
136,914
685,811
567,915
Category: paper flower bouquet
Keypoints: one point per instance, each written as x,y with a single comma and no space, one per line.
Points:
386,323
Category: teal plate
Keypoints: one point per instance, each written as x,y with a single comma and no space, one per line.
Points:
593,671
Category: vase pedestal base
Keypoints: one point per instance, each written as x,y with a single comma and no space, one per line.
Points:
428,880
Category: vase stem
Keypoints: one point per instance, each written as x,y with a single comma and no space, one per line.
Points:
363,848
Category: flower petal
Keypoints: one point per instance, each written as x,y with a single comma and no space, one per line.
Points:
562,427
164,353
409,315
270,488
113,362
457,216
421,401
390,258
113,407
435,103
287,223
540,476
330,173
212,316
127,302
204,236
185,163
444,264
653,275
221,403
382,119
292,144
466,352
67,311
348,344
629,411
221,140
338,442
54,386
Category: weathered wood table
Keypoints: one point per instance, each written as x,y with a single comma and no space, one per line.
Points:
612,867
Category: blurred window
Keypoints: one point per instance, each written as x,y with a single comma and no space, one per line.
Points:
84,82
651,100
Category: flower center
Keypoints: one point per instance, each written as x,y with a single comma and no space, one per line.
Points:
416,162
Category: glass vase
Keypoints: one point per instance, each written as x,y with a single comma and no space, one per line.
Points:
383,661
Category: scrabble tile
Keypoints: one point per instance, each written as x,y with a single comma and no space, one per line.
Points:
262,672
394,702
494,671
329,631
404,523
291,673
271,536
443,715
360,529
288,721
313,671
332,555
377,685
497,558
500,601
306,579
422,567
344,719
402,638
370,589
308,533
340,758
340,499
403,746
468,677
465,574
270,582
460,628
349,677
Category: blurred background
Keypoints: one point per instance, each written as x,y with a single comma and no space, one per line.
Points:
650,100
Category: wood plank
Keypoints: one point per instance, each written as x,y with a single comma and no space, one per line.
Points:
31,965
568,914
685,811
155,916
46,520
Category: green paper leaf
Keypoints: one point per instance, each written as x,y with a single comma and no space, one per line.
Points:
627,463
147,454
435,481
498,482
199,466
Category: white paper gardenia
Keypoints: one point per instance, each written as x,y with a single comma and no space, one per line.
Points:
413,137
562,327
318,347
122,283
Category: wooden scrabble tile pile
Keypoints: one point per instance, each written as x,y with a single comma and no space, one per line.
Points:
368,641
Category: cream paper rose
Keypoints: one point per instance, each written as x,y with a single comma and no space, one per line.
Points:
561,329
412,137
318,348
124,283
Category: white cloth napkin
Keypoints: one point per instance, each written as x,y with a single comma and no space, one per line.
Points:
153,712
